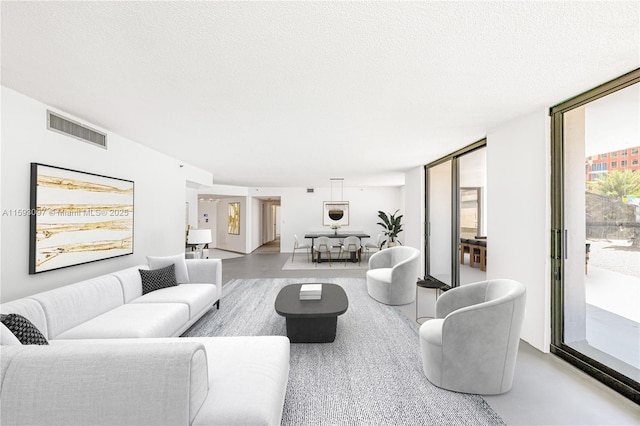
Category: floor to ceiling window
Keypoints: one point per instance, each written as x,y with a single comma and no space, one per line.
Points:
456,244
596,232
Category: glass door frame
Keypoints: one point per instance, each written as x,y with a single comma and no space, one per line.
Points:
455,209
601,372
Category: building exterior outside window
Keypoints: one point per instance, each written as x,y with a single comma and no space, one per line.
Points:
600,164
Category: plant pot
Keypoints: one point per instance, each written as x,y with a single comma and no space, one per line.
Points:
392,243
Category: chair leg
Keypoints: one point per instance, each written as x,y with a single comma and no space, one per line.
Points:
293,255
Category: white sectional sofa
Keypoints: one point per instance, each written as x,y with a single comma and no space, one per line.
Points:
113,357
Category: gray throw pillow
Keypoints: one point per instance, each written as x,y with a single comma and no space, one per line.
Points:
23,329
156,279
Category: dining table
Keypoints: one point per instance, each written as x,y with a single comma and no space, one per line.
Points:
337,235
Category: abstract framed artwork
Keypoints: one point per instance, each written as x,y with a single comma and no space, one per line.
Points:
335,213
77,217
234,218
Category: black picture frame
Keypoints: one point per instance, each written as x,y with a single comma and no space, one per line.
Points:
78,217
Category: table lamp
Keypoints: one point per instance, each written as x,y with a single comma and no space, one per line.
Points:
199,236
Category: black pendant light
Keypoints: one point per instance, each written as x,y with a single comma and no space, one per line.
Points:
337,213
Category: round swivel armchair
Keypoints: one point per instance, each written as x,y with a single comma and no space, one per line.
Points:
472,344
392,275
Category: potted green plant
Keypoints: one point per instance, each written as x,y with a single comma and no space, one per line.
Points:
392,227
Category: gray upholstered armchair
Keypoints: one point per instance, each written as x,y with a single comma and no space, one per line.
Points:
472,345
392,275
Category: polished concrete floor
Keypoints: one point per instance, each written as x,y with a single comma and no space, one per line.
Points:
546,390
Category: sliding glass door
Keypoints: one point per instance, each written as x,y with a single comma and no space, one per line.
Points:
473,241
439,184
457,251
596,233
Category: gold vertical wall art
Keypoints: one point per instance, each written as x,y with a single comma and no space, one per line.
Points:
77,217
234,218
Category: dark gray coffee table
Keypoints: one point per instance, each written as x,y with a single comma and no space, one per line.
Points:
312,321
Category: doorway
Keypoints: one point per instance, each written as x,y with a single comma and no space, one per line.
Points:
269,223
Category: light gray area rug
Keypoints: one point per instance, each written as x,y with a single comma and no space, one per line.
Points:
372,373
300,263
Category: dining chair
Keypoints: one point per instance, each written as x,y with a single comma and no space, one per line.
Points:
371,245
322,245
350,245
298,246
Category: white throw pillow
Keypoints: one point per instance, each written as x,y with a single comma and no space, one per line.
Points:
157,262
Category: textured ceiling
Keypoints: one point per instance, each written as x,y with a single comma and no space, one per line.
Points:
293,93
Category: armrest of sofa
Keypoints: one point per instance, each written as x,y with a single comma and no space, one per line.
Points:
115,383
205,271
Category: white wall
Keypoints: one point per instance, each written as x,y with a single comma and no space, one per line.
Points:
159,214
208,218
256,224
518,227
301,212
414,218
276,215
191,197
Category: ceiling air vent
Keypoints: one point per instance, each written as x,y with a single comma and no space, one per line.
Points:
310,190
76,130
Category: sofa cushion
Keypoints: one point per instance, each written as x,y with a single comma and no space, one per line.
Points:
133,320
23,329
380,274
71,305
182,276
131,281
157,279
30,309
196,296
